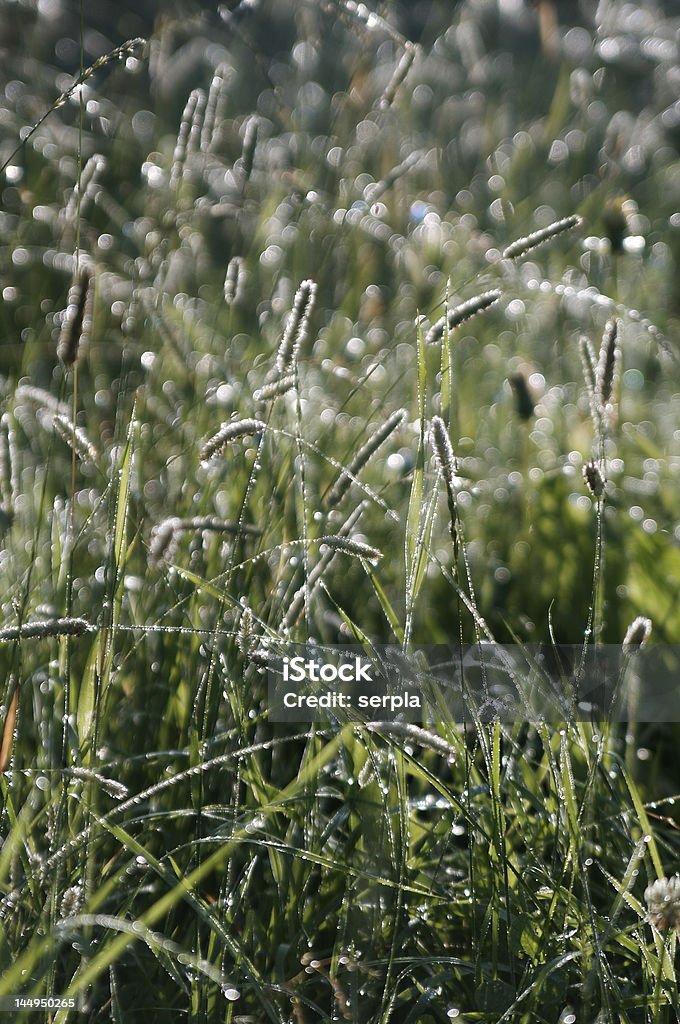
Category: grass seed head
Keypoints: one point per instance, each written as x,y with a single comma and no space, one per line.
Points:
164,540
41,398
606,366
75,437
246,638
277,387
589,363
637,635
76,323
230,432
524,402
250,134
524,245
40,630
295,330
594,478
351,546
663,903
443,450
459,314
188,136
8,481
71,901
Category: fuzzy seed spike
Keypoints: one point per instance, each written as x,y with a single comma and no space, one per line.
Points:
606,366
76,324
41,630
459,314
295,330
524,245
230,432
637,635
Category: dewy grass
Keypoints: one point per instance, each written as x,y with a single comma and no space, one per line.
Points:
165,846
443,449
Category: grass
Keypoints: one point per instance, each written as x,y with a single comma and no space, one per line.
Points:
168,850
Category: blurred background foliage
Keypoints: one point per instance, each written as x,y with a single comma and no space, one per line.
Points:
500,127
512,115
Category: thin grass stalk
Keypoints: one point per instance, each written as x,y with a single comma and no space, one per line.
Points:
213,115
9,725
193,111
234,281
67,626
375,191
446,459
126,49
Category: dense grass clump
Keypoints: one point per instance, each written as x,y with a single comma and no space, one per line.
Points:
325,324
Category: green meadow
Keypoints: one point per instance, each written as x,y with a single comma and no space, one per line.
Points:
329,323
